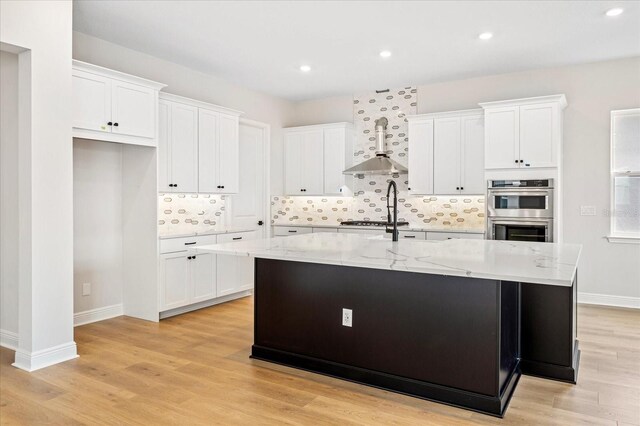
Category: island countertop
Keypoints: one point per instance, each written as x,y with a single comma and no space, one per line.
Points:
540,263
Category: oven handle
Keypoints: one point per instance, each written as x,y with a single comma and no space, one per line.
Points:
544,192
494,221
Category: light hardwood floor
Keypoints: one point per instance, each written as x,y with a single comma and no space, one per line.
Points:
195,369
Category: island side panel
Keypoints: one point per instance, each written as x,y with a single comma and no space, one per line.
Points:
438,329
549,346
509,331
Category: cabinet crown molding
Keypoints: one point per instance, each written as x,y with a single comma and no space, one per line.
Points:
116,75
446,114
342,124
199,104
560,99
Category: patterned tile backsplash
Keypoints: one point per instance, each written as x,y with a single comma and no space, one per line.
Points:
188,213
438,212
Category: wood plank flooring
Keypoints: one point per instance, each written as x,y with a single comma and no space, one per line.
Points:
195,369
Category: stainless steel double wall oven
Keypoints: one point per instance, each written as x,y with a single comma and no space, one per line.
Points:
520,210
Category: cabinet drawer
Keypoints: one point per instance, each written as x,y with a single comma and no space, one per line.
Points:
171,245
376,231
283,231
451,235
317,230
411,235
237,236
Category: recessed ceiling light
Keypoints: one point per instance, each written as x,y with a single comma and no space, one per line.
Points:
485,36
385,53
305,68
615,11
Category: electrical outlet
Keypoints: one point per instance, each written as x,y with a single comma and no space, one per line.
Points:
347,317
587,210
86,289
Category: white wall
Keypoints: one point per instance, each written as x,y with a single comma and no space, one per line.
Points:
193,84
97,224
8,197
42,30
592,91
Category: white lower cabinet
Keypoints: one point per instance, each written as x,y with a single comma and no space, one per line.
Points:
188,276
453,235
285,231
235,273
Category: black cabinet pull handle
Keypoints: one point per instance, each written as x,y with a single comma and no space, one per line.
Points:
190,244
292,230
110,124
409,236
237,238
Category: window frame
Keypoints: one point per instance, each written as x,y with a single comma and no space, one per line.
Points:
618,237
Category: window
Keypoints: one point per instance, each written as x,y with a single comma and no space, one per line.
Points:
625,175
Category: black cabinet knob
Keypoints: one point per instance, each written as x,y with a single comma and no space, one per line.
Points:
457,188
222,187
115,124
516,161
461,188
409,189
109,124
260,223
522,161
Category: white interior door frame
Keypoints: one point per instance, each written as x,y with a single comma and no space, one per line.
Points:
266,182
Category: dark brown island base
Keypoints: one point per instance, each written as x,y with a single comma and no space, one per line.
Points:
459,340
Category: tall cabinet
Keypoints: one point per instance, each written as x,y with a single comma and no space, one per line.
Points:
315,157
198,147
446,153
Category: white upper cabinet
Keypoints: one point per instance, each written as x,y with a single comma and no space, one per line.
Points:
315,157
524,133
446,153
178,147
472,166
198,147
115,107
420,155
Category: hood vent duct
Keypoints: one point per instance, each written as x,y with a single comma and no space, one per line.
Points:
381,164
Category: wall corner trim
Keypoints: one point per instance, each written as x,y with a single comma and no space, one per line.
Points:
609,300
9,339
32,361
98,314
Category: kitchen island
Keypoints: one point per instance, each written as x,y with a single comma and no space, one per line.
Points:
456,321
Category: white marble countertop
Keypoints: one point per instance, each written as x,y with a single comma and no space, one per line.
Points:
199,234
401,228
542,263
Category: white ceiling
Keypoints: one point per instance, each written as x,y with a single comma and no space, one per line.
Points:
261,44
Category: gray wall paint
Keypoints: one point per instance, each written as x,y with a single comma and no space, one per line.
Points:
8,192
592,91
193,84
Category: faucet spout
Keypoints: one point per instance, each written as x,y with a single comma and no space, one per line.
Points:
394,231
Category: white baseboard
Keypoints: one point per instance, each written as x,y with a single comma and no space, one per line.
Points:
205,304
98,314
31,361
608,300
9,339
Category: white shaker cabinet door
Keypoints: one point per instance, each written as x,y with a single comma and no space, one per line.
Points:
133,109
502,138
313,162
472,168
446,154
164,152
183,147
421,157
293,163
229,156
174,280
203,277
334,160
208,155
91,101
227,274
539,135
